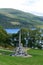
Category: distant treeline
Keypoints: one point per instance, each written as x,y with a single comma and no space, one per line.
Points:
29,37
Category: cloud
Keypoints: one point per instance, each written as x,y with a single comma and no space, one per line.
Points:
38,7
30,2
10,3
34,6
31,6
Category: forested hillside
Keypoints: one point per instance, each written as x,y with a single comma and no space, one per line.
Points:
11,18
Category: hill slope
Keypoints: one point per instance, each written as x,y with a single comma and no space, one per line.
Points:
11,18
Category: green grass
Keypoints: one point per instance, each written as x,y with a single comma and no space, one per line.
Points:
36,59
5,52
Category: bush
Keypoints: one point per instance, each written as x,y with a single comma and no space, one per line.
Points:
39,46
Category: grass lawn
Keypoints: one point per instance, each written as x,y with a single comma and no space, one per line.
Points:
36,59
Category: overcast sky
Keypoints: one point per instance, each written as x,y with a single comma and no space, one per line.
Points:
32,6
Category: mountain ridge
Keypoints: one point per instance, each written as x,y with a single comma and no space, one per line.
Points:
11,18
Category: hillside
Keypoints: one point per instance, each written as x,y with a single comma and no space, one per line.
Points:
11,18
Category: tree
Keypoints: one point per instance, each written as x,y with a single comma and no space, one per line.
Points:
34,36
3,37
